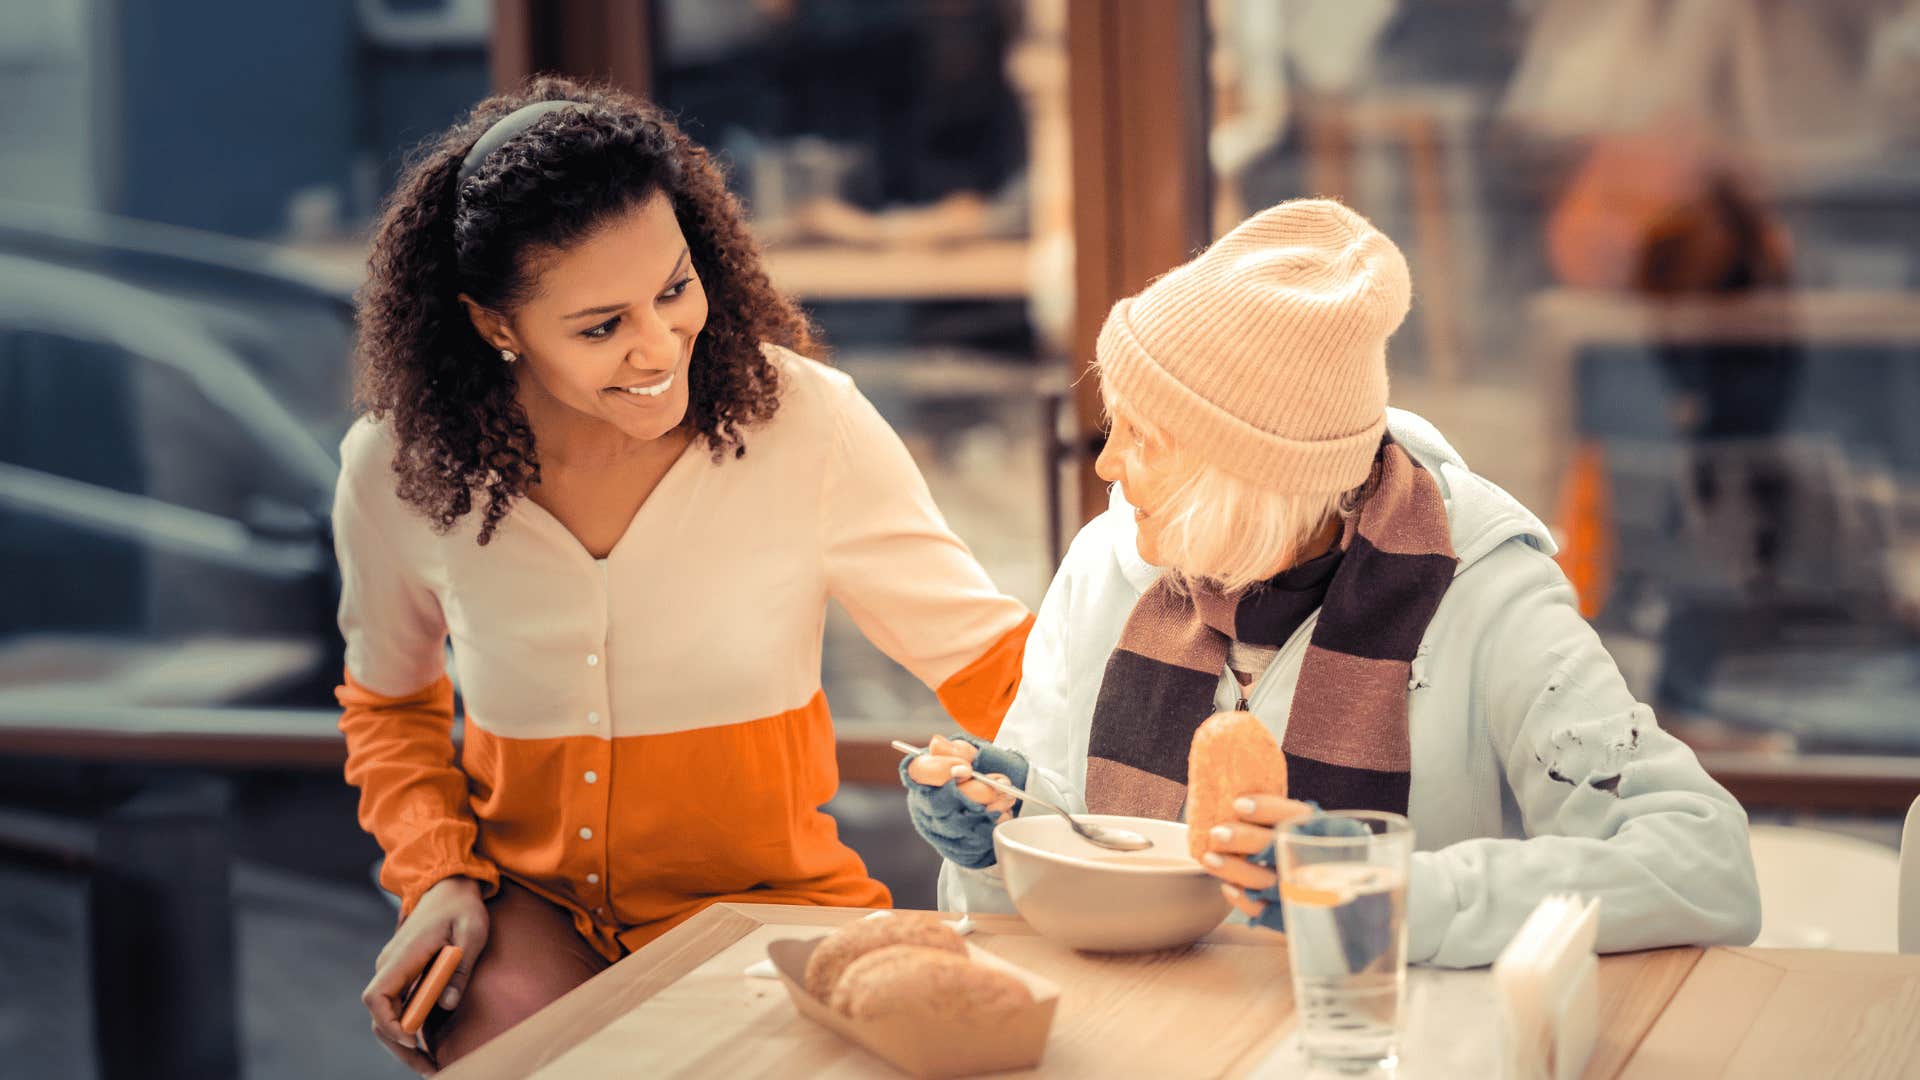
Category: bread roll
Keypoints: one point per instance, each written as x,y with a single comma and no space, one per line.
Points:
926,985
1233,754
856,939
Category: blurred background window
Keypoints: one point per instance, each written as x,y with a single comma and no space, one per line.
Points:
1667,266
185,193
184,200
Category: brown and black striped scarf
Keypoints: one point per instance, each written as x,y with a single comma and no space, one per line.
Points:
1346,742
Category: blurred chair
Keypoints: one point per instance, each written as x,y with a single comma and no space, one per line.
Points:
1910,881
1825,890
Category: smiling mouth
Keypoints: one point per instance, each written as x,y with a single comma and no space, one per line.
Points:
650,390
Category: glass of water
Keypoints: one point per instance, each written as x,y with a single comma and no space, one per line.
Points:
1343,886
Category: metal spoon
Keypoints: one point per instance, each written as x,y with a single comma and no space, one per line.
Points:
1106,836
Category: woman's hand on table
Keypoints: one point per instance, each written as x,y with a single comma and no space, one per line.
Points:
1241,855
452,912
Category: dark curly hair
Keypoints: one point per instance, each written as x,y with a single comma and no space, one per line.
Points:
459,426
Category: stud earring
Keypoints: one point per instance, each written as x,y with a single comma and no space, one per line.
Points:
509,355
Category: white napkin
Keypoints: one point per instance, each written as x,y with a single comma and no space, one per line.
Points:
964,925
1547,980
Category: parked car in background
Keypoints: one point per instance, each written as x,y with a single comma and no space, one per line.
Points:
171,404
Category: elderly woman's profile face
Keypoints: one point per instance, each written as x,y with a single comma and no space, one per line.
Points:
1141,466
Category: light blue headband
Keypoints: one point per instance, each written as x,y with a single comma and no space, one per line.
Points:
504,130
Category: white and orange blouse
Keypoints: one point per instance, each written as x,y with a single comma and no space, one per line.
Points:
646,735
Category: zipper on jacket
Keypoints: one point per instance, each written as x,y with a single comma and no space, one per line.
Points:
1262,687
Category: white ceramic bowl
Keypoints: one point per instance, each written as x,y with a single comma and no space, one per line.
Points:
1107,901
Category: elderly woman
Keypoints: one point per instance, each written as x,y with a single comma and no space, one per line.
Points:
1281,541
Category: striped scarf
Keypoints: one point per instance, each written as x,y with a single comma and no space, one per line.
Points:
1346,742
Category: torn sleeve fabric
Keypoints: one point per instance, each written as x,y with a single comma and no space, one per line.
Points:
1613,806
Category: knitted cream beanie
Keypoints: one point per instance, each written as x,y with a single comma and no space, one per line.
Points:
1267,355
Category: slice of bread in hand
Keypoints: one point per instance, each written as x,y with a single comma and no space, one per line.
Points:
1233,754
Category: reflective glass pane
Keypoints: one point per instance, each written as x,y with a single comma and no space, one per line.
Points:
1667,291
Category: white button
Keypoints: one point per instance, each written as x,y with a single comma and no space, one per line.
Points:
599,911
586,834
593,879
593,659
592,776
593,718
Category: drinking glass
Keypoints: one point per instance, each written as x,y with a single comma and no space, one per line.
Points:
1343,887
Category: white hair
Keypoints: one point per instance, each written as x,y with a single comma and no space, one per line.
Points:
1227,531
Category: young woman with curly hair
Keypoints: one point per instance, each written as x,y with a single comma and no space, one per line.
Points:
596,461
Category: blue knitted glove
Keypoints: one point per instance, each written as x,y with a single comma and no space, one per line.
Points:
991,758
960,829
1272,916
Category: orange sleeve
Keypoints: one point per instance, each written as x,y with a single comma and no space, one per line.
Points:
978,695
413,797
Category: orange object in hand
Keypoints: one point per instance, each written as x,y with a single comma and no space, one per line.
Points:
427,989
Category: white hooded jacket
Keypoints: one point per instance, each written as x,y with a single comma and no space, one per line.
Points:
1534,769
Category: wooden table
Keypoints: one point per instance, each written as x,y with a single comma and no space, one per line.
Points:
683,1006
